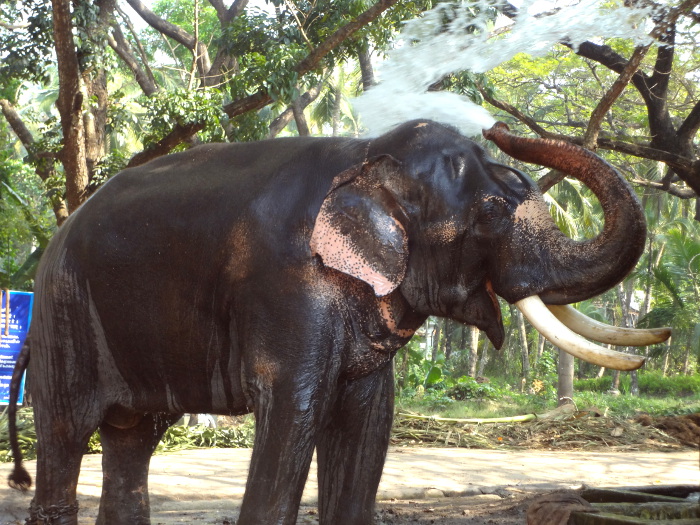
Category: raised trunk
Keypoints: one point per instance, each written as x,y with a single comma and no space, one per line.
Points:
573,271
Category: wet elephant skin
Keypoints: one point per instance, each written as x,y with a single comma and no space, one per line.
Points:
279,278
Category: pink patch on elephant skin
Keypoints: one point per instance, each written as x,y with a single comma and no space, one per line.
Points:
339,252
391,323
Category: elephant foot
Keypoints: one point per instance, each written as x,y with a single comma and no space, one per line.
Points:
61,514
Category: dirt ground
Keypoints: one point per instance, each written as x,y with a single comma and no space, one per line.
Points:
507,508
641,443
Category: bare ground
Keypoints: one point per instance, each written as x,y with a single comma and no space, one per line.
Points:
504,505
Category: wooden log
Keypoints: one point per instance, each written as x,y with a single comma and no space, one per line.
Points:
625,496
657,511
513,419
583,518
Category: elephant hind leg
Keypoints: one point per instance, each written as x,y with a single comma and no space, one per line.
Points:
59,454
126,456
352,449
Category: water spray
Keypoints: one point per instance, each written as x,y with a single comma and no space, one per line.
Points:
463,36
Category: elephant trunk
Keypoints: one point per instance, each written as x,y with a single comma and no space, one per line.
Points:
580,270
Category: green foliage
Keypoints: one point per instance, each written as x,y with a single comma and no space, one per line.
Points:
468,388
26,435
631,406
419,371
595,384
27,54
650,384
437,399
180,437
267,56
164,110
177,437
25,221
654,384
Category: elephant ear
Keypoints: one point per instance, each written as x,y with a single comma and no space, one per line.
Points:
359,231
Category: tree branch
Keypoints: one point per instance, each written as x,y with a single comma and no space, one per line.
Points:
236,9
590,138
512,110
682,193
122,47
220,9
16,123
286,116
176,33
139,46
45,167
690,125
165,145
342,34
13,27
262,98
224,14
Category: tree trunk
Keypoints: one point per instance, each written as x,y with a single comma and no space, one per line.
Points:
300,118
473,350
402,372
287,115
616,380
686,357
449,329
364,58
70,106
634,383
484,359
541,341
624,294
435,338
524,350
667,353
95,82
335,117
565,384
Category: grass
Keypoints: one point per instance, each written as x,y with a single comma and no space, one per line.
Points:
177,437
682,396
509,403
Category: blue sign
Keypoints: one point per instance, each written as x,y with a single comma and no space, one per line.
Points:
15,316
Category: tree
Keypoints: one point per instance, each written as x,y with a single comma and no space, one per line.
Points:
657,119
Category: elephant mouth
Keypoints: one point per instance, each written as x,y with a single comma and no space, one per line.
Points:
567,328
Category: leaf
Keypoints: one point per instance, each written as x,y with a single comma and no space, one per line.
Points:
434,376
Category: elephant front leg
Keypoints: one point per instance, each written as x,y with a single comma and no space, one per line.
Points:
352,449
287,420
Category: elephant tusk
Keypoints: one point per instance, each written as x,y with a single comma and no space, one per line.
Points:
558,334
604,333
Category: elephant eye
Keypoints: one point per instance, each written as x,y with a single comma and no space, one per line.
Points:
489,218
492,208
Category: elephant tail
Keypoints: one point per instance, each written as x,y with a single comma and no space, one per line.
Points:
19,478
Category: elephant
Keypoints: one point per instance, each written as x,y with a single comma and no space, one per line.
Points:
280,277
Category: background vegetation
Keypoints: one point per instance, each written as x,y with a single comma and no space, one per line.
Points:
89,87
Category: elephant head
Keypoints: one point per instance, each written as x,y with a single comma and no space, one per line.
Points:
431,216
